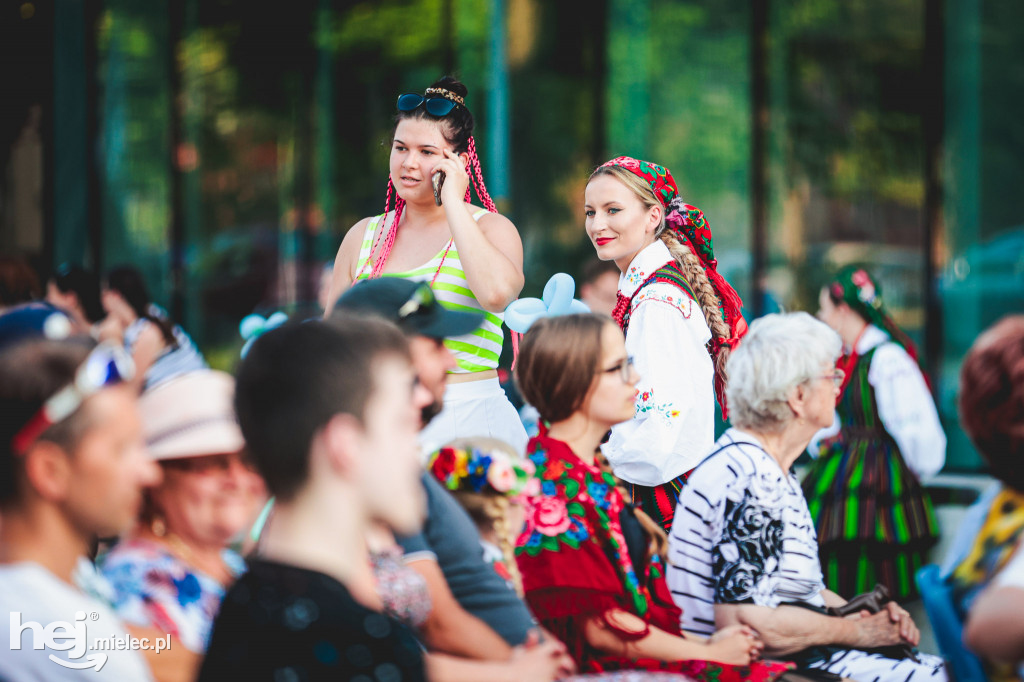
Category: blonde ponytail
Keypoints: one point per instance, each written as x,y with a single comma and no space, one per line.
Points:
708,299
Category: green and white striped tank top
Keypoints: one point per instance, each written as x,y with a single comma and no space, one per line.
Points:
474,352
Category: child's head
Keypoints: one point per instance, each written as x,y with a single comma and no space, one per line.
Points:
491,482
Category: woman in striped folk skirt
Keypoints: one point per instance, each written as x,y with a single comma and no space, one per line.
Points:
874,520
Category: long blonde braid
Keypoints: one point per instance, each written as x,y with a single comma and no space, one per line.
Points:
506,542
490,512
708,299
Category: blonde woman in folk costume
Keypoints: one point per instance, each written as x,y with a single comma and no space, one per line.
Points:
681,318
472,257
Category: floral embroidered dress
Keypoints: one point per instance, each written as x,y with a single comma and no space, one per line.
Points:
575,566
155,588
674,424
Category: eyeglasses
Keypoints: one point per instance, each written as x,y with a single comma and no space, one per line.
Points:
836,376
421,301
435,106
626,368
106,365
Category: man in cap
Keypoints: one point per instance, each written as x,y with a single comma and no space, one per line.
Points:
464,589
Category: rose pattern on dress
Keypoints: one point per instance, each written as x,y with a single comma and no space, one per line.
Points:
749,551
558,519
551,516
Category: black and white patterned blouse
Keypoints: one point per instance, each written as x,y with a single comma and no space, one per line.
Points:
742,535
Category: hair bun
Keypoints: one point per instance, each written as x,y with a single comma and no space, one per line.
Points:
452,84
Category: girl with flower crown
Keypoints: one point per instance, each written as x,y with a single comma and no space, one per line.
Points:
493,484
590,570
680,317
472,257
875,521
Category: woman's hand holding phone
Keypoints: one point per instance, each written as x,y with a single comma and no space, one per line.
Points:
455,181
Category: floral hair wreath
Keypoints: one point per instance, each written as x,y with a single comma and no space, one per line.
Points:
479,470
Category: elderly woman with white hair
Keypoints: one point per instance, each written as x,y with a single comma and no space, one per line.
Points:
743,548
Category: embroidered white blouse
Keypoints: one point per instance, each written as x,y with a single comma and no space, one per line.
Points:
674,424
905,405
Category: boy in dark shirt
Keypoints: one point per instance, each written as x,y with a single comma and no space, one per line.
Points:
330,414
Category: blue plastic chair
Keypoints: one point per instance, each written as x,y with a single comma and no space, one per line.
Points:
937,595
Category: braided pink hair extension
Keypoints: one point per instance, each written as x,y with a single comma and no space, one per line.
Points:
389,242
478,178
380,231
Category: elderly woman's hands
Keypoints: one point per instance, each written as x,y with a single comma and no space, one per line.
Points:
735,644
890,626
908,629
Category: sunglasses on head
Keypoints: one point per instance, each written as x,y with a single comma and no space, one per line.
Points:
106,365
435,106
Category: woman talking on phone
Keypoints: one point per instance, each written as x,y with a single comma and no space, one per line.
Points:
472,256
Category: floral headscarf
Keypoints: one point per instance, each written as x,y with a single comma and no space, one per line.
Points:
690,226
863,293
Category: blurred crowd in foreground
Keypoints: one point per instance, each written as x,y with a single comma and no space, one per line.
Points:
133,499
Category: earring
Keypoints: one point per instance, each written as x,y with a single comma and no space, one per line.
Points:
158,526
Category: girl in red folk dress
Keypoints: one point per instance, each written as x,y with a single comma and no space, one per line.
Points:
588,570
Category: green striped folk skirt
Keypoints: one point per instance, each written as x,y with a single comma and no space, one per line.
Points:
875,521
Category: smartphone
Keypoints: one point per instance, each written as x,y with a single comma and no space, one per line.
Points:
437,180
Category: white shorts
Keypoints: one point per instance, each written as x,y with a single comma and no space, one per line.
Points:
475,408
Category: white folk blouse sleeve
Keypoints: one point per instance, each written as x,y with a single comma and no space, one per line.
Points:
907,410
674,427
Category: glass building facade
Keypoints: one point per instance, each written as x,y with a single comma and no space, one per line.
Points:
225,147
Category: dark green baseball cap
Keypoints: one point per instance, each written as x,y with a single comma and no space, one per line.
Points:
411,305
